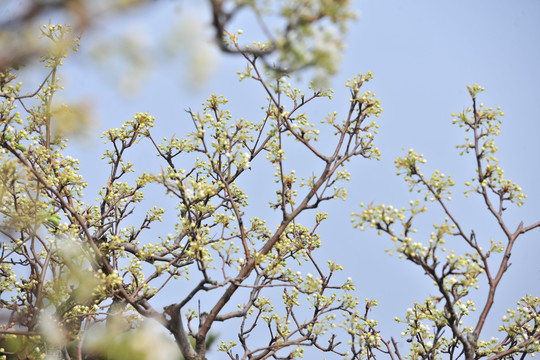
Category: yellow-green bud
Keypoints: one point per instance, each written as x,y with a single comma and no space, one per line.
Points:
20,147
54,219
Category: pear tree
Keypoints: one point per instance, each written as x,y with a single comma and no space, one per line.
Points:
115,278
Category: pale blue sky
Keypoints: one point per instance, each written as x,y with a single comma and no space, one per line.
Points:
423,54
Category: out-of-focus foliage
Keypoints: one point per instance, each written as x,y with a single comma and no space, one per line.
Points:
292,35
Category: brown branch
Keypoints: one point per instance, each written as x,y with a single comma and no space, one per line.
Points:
516,348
